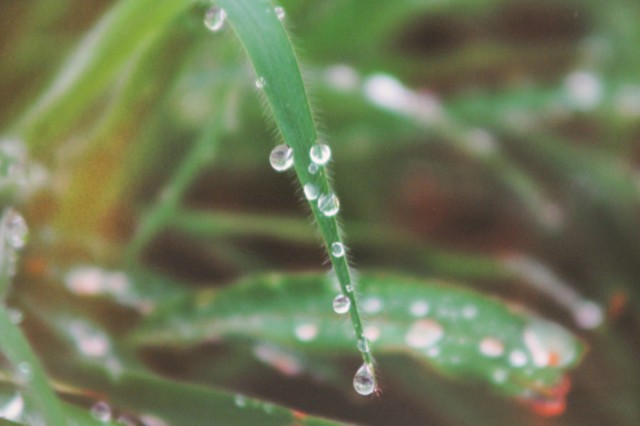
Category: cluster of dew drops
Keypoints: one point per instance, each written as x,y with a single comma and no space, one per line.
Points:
282,159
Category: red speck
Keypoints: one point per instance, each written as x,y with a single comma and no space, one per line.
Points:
552,403
617,304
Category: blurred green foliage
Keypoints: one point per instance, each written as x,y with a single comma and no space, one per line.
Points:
490,143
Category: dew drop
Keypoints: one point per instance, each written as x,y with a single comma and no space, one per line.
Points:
240,400
349,288
337,249
320,153
329,204
341,304
424,333
214,18
419,308
313,168
15,229
25,371
281,158
363,382
491,347
13,408
260,83
101,411
280,13
310,191
363,345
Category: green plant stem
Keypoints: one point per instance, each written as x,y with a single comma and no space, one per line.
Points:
16,349
270,51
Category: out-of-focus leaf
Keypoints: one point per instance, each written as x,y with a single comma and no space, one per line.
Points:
455,331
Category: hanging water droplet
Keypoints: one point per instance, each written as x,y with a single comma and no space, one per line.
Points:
279,10
214,18
341,304
329,204
364,382
260,83
101,411
310,191
281,158
15,229
337,249
313,168
320,153
13,408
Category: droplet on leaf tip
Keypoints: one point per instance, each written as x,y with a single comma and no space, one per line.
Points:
364,382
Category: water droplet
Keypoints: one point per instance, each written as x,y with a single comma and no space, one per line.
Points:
13,408
15,229
584,90
313,168
349,288
588,314
341,304
419,308
549,344
281,158
240,400
101,411
306,332
329,204
320,153
260,83
89,341
364,382
363,345
337,249
214,18
25,371
15,315
491,347
517,359
424,333
280,13
310,191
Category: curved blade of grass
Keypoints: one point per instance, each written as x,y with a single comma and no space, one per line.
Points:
103,51
16,349
455,331
271,53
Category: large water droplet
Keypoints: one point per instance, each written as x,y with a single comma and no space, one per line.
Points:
214,18
320,153
260,83
310,191
280,13
364,382
101,411
15,229
281,158
424,333
337,249
329,204
341,304
491,347
13,408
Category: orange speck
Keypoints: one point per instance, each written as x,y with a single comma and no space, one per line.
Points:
548,408
617,304
36,266
299,415
554,359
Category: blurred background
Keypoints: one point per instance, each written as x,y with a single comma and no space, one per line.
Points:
492,143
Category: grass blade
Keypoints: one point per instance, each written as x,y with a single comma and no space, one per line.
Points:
273,58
